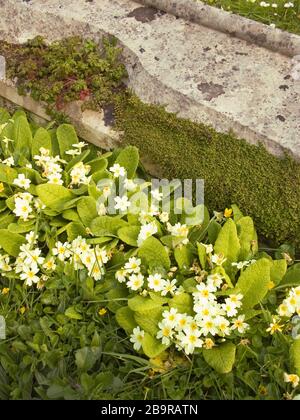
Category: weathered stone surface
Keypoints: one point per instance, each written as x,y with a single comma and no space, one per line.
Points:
198,72
231,24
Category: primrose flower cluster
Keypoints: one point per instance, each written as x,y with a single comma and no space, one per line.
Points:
211,319
35,269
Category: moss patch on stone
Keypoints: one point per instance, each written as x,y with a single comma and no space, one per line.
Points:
234,171
265,187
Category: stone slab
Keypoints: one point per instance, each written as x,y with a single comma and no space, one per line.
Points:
231,24
198,72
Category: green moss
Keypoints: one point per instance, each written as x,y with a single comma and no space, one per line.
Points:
265,187
262,185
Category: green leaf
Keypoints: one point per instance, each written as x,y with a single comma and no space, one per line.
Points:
66,136
75,229
295,355
129,234
151,346
70,214
107,225
21,227
87,210
11,242
148,320
183,303
213,231
6,219
140,303
41,138
202,255
72,313
98,165
292,276
86,357
253,282
183,256
129,159
54,196
153,254
237,214
7,174
278,270
116,296
228,244
248,238
22,136
4,116
125,318
221,358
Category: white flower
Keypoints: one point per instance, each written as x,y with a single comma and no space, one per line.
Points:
230,308
49,264
170,317
178,230
146,231
284,311
22,182
241,264
135,282
223,325
218,259
121,275
9,161
73,152
62,250
264,4
164,217
133,265
291,378
122,203
106,191
182,321
55,178
208,326
129,184
235,299
239,324
169,286
137,338
208,248
165,332
31,256
22,208
4,263
204,292
288,5
117,170
31,238
157,195
189,340
29,275
156,282
215,280
79,174
101,209
274,5
80,145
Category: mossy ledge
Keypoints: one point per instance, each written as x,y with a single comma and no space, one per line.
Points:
264,186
